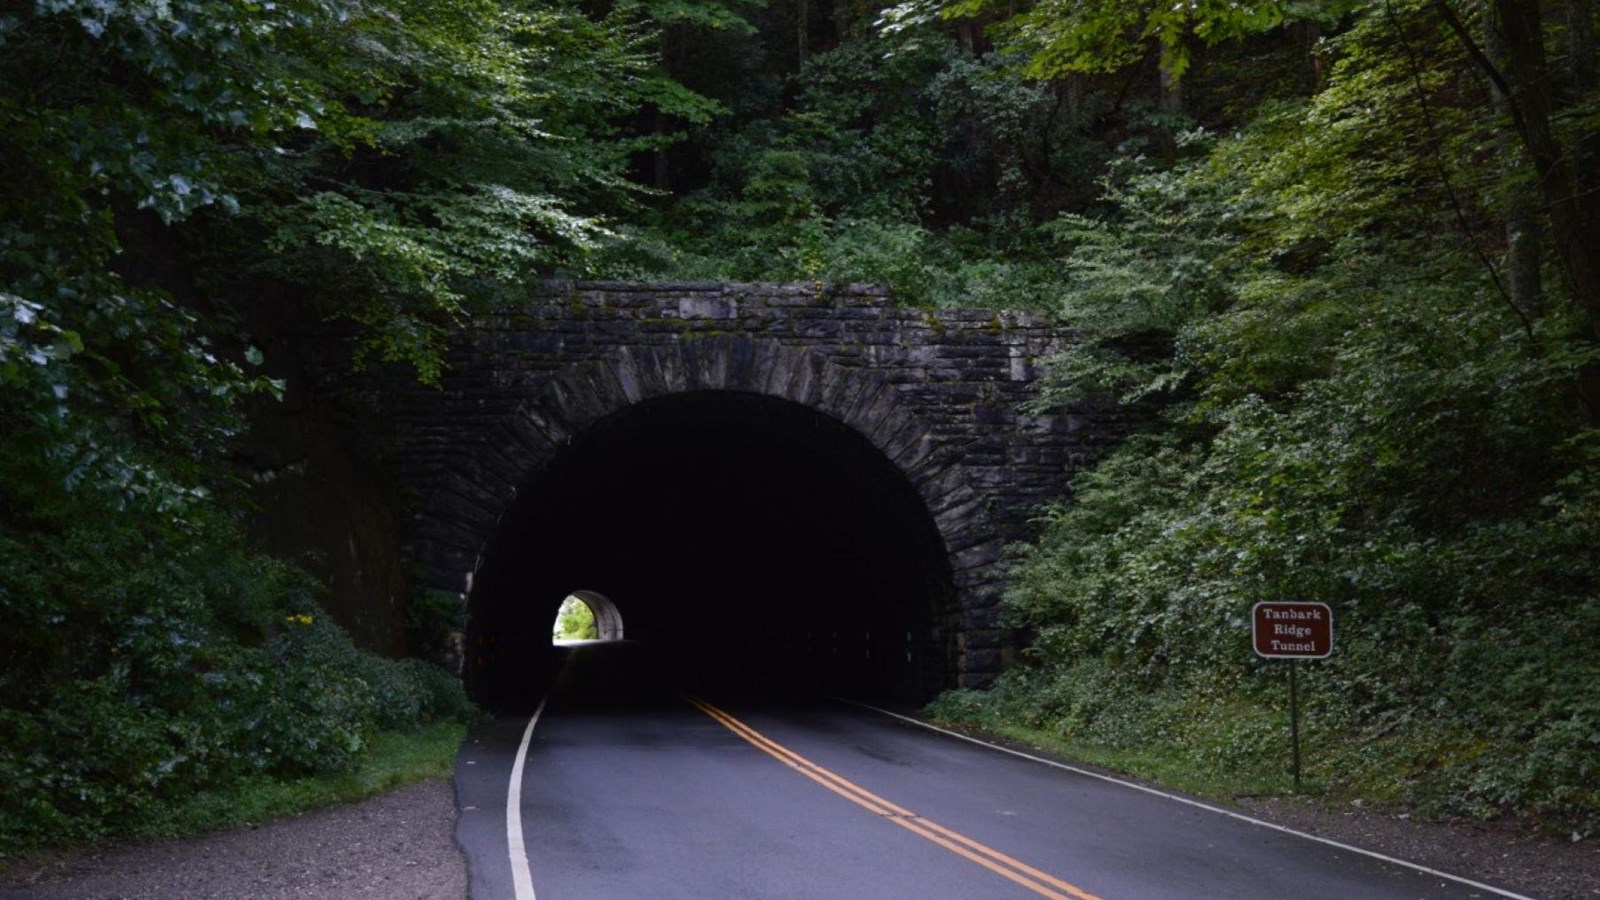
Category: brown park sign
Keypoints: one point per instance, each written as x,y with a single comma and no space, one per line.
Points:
1292,630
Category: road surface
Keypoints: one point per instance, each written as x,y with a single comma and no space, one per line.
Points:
633,787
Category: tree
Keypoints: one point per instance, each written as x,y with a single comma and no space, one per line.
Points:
1106,35
1567,169
1353,412
575,621
177,172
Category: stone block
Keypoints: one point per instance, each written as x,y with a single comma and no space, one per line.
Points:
955,518
984,554
981,660
873,387
806,387
774,365
985,619
625,371
670,366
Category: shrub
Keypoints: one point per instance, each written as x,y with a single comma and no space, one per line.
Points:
193,688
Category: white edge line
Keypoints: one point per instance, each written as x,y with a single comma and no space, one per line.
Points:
521,878
1188,802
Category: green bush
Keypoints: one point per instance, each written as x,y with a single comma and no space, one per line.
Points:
100,757
135,677
439,693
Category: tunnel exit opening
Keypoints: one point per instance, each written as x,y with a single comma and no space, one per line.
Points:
587,616
752,540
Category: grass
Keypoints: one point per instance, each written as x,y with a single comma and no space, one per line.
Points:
1216,748
1224,749
393,760
1169,766
1164,766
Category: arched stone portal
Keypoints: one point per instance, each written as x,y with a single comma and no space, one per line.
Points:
749,537
752,504
607,618
910,423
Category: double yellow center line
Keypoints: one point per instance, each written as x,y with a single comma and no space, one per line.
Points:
1041,883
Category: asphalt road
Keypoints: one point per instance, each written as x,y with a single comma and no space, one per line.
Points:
634,788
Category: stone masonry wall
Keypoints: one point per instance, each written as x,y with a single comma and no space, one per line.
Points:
941,392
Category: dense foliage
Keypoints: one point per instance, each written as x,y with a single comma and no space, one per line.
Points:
1359,409
177,173
1353,244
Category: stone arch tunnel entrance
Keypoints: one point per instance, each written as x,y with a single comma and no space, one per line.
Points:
802,481
747,538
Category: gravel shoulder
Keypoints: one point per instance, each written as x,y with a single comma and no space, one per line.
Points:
1503,855
397,846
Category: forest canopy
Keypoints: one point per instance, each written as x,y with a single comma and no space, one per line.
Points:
1356,243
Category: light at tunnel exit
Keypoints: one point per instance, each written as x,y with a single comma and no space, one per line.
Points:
587,616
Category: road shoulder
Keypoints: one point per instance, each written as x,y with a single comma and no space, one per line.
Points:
397,845
1505,854
1543,866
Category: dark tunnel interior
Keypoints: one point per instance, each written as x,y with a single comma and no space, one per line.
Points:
750,541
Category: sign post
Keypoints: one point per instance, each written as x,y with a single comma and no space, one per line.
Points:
1294,725
1292,631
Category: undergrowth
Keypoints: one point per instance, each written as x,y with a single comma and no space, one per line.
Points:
390,760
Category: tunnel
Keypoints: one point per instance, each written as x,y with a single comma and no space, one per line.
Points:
749,541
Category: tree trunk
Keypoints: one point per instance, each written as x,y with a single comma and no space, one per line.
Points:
661,177
1571,192
1523,277
1311,34
1583,76
1171,87
662,173
1170,102
1582,66
802,29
